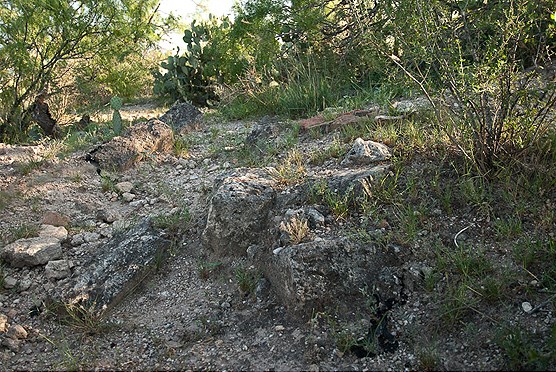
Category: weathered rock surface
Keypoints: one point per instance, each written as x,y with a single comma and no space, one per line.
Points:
119,266
239,214
124,187
55,219
143,139
182,116
366,152
346,180
313,275
36,251
58,269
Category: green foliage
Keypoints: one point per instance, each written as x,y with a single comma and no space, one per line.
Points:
489,55
247,280
116,104
191,77
523,352
44,43
23,232
173,223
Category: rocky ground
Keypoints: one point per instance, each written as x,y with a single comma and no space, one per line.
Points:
235,289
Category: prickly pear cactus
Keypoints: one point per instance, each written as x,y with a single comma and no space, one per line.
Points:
116,104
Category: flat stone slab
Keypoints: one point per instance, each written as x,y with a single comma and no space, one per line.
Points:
119,266
32,251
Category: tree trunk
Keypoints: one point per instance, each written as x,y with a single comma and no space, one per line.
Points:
41,115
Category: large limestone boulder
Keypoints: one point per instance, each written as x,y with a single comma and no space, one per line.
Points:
36,251
239,214
143,139
326,273
121,264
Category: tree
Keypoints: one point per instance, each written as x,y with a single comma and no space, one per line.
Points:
41,41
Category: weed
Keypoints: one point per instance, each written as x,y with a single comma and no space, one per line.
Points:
428,359
297,229
521,350
409,223
172,223
291,171
338,203
5,199
76,177
204,268
25,169
83,317
507,228
181,147
335,150
108,183
24,232
246,280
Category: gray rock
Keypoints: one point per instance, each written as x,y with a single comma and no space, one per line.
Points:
11,344
238,215
314,217
32,251
352,180
366,152
124,187
91,237
128,197
143,139
58,269
57,232
119,266
108,215
77,239
316,275
10,282
182,117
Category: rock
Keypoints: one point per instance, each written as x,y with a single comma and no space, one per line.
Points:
16,332
239,214
182,117
108,215
312,276
55,219
32,251
91,237
262,131
10,282
49,231
412,105
143,139
11,344
353,180
314,217
366,152
25,284
128,197
124,187
77,239
58,269
119,265
527,307
3,323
